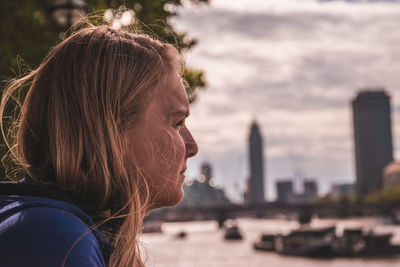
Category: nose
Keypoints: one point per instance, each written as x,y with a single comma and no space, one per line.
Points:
191,145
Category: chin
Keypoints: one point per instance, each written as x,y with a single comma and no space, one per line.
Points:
169,199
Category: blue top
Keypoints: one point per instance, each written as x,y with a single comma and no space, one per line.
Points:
38,231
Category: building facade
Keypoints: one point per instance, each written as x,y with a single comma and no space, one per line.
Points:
255,193
284,191
202,192
310,191
372,138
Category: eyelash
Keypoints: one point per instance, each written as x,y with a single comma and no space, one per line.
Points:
179,124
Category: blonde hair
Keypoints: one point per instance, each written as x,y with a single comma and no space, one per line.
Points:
85,94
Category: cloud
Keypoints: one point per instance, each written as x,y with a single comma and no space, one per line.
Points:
296,66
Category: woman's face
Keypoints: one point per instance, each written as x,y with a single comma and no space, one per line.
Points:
160,143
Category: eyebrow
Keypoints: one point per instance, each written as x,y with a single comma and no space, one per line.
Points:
183,112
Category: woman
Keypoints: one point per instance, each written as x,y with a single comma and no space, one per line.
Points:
102,138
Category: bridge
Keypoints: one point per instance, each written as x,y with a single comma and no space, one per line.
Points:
276,210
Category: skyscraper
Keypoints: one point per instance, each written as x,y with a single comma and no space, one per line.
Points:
373,139
255,194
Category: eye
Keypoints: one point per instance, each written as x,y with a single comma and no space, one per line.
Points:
179,123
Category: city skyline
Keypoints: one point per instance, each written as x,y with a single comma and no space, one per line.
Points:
296,66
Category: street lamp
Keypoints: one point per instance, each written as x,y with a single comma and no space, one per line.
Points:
67,12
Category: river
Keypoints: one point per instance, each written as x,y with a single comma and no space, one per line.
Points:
204,245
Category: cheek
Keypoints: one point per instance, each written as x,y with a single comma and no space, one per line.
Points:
140,151
171,151
158,154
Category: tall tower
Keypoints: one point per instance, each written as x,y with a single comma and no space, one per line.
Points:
206,171
256,184
373,139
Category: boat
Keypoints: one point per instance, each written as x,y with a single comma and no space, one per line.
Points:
232,230
267,243
356,243
181,235
307,241
324,243
379,246
233,233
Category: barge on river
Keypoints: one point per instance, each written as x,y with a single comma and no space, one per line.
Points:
324,242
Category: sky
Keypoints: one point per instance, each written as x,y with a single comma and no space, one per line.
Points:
294,66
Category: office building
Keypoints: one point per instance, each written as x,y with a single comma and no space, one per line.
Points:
373,139
285,191
255,194
310,191
202,192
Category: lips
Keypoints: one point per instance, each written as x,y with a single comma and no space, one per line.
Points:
183,171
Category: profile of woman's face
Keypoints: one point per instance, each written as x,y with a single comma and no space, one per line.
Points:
160,143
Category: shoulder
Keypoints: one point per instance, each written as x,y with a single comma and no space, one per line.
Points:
45,235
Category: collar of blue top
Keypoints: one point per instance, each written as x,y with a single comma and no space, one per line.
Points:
26,187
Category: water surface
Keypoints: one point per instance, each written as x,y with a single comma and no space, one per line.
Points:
204,245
